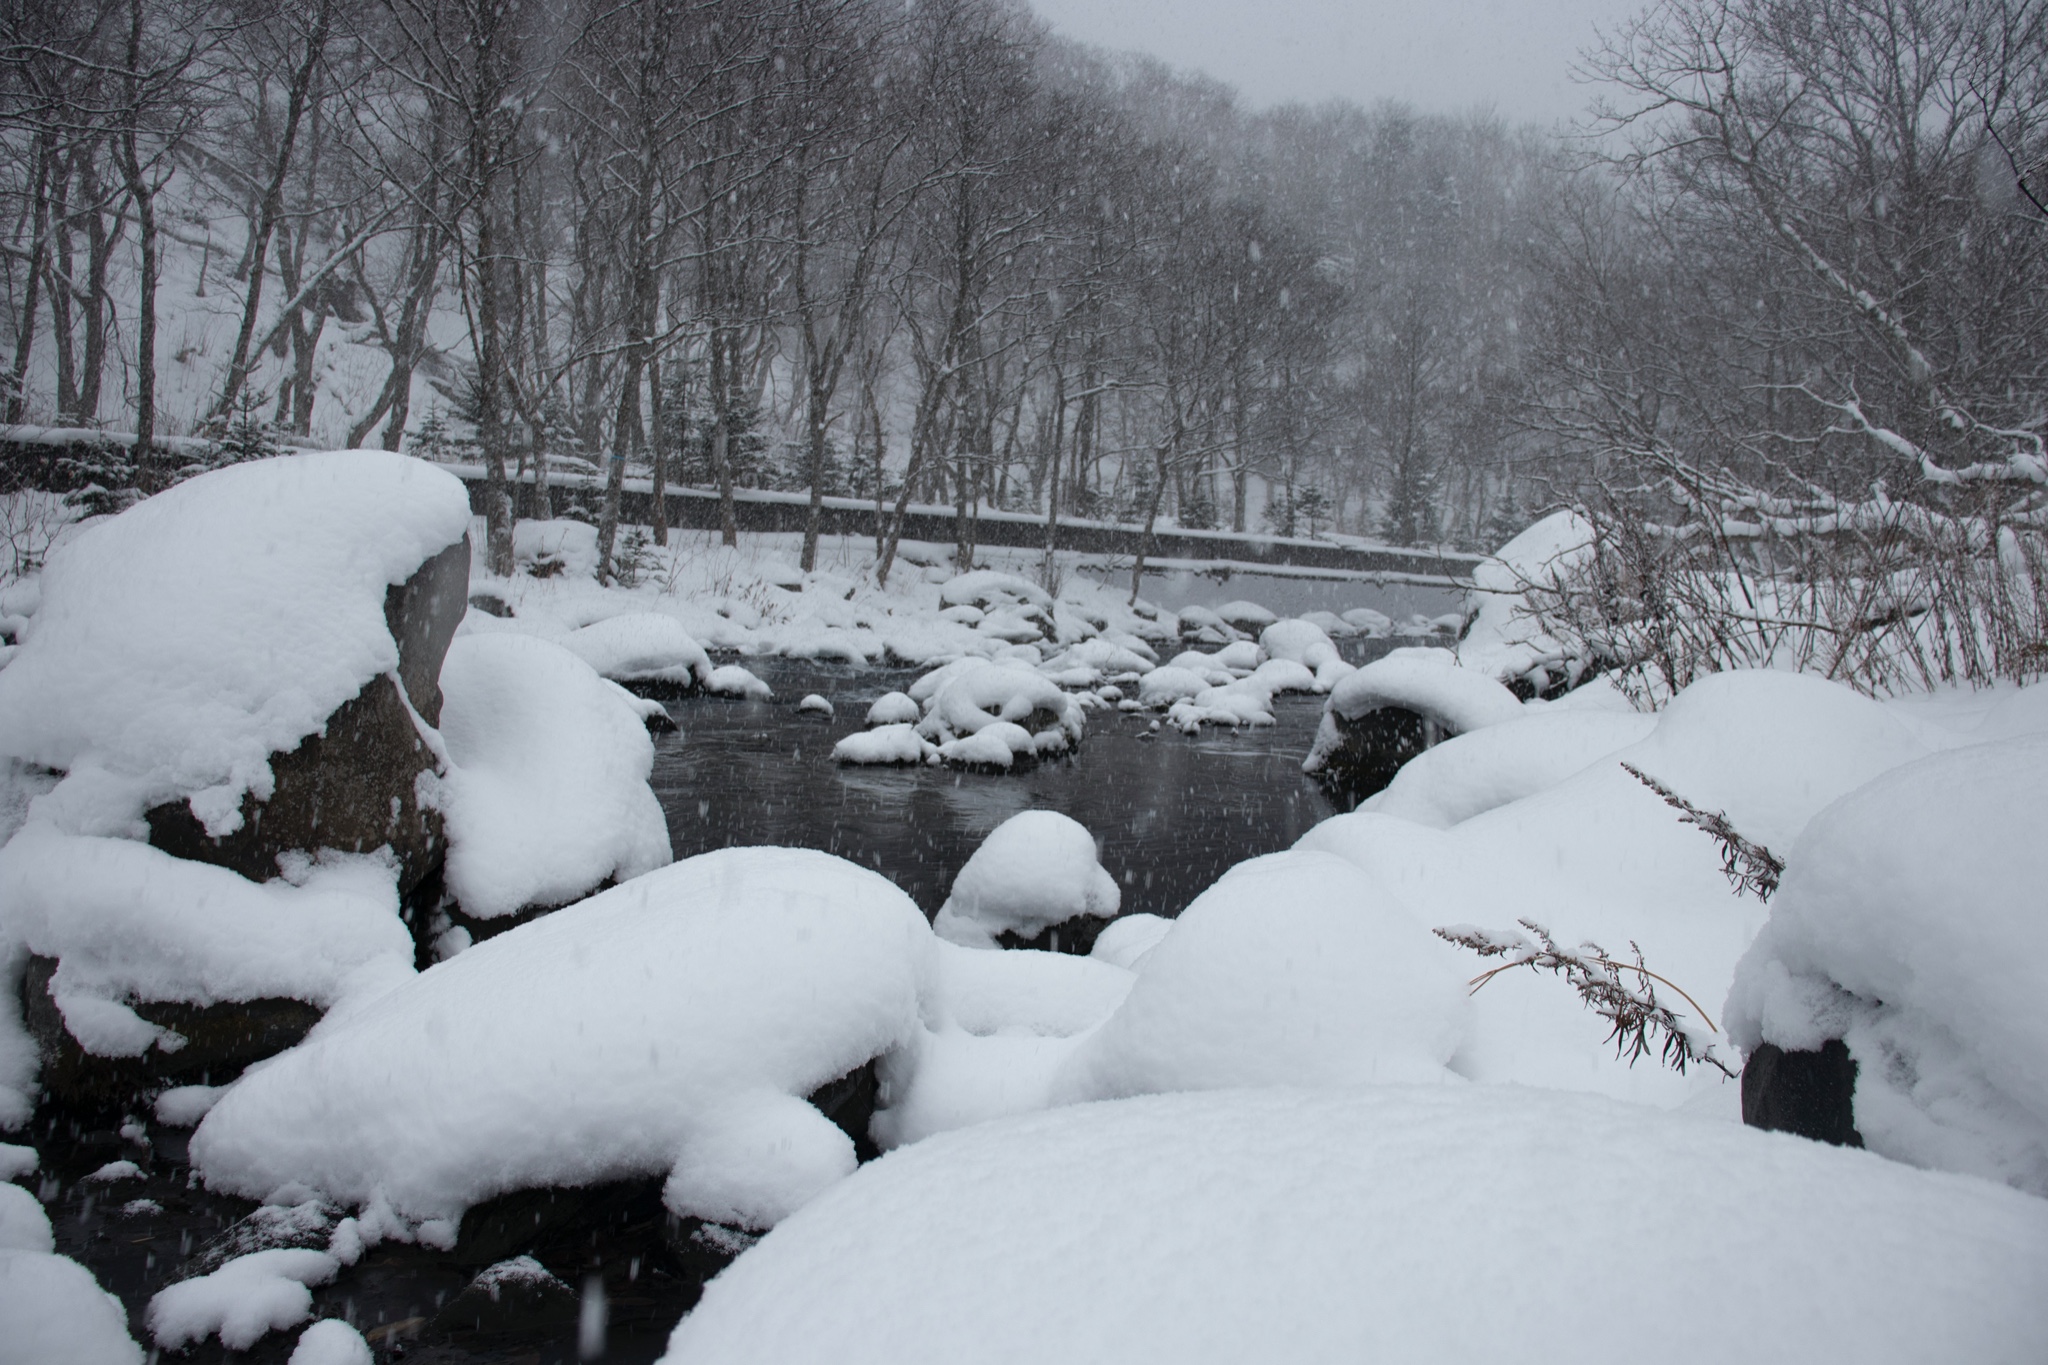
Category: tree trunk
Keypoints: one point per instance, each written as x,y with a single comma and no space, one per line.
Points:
498,510
25,334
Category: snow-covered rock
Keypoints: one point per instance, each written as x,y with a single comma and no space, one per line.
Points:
1908,926
1502,637
181,644
1034,871
1298,642
1385,713
1154,1225
1249,617
976,695
548,794
888,744
1127,940
249,1296
1471,774
1376,624
815,704
731,680
641,647
1293,969
894,708
331,1341
23,1224
673,1023
1167,685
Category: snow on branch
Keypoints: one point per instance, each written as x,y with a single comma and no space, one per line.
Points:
1749,866
1636,1015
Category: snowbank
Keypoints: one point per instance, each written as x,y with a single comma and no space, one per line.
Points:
1036,869
1389,1223
664,1024
181,643
1471,774
52,1310
1909,925
1293,969
548,793
641,647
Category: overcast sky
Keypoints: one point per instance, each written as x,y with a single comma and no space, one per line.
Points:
1439,55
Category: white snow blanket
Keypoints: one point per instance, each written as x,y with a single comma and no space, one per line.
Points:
1471,774
181,643
1447,1223
52,1311
642,647
887,744
1427,681
547,794
673,1023
1036,869
1293,969
1909,925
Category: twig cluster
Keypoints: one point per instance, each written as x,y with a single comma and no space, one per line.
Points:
1637,1017
1748,865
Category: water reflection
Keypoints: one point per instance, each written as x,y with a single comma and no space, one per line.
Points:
1170,813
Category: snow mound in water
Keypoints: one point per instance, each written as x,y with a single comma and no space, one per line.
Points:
23,1224
1249,617
127,922
894,708
1909,924
181,643
885,744
977,694
1426,681
548,792
1165,686
641,647
1033,871
52,1310
1293,969
1298,642
1389,1223
730,680
648,1029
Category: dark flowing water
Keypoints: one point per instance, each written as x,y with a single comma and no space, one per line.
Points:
1170,813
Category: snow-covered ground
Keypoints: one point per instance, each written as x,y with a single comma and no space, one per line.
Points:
1279,1125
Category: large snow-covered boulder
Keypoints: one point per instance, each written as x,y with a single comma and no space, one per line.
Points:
1293,969
1386,1223
547,794
250,658
1034,876
149,970
1908,927
1503,638
1387,712
52,1310
671,1024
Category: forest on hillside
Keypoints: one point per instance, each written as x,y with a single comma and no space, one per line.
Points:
1772,313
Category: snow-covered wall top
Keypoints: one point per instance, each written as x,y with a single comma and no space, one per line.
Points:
182,642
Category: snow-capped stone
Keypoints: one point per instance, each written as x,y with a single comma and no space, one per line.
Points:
1502,638
51,1309
731,680
1373,623
1035,870
816,705
548,795
181,644
628,1035
1249,617
641,647
894,708
897,743
1298,642
1906,926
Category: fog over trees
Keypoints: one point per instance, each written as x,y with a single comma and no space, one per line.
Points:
1776,311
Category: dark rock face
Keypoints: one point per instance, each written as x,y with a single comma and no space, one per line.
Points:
511,1301
353,786
1372,749
1076,935
220,1040
1812,1094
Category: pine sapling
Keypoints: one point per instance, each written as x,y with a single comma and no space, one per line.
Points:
1637,1016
